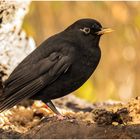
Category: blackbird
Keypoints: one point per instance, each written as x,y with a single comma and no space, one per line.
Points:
60,65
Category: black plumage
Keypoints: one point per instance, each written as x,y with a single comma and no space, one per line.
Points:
60,65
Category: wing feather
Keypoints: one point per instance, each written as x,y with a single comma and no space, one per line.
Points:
22,77
27,84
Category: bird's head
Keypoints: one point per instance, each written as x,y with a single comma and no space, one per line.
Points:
90,28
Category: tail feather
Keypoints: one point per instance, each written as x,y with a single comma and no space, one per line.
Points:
22,94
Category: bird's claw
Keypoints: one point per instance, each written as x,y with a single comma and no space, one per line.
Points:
60,117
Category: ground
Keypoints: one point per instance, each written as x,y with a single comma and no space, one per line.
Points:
83,120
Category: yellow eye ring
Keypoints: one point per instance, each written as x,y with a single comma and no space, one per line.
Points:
85,30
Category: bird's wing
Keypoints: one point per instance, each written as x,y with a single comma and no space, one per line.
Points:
24,83
22,76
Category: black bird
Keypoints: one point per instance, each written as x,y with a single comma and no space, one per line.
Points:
60,65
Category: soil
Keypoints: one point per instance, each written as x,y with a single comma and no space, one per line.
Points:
82,120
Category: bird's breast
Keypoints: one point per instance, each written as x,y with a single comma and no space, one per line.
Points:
79,72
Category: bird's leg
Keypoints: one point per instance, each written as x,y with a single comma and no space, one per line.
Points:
49,106
54,109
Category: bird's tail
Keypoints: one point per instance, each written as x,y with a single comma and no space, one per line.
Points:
24,93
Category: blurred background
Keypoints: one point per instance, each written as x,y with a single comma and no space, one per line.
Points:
117,76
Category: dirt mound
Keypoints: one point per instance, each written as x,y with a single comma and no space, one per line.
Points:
83,120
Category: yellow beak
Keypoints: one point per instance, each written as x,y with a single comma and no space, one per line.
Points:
105,31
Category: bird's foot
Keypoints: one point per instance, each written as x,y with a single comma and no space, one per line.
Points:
48,109
60,117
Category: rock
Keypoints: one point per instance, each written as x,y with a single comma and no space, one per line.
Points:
52,129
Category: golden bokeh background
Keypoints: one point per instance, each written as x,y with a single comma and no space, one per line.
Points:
117,76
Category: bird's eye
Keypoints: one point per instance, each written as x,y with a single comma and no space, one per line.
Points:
85,30
93,26
96,27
